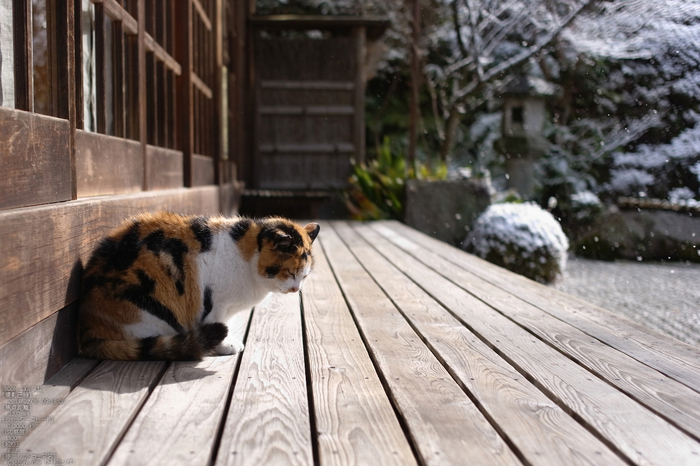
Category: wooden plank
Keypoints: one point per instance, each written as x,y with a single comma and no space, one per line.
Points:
665,354
541,431
667,397
355,422
312,85
36,402
61,384
37,277
340,148
164,167
161,54
624,424
306,110
92,419
202,14
52,343
117,13
445,425
268,422
201,85
180,421
36,163
107,164
203,167
28,406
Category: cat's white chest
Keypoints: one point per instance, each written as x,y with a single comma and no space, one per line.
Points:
233,282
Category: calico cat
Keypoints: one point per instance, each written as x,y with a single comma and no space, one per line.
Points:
161,286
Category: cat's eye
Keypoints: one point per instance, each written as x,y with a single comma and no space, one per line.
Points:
292,274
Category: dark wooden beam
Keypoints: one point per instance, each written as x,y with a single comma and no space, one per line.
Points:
23,51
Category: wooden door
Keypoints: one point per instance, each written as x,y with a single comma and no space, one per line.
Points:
308,117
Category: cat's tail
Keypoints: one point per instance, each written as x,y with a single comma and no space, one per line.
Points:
189,346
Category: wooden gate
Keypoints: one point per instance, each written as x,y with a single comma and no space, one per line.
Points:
309,113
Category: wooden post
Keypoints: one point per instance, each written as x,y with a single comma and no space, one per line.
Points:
361,53
24,66
183,45
143,121
415,84
66,72
101,68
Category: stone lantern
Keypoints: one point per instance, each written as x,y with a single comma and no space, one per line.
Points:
522,141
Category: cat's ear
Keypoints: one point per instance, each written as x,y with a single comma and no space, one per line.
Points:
312,229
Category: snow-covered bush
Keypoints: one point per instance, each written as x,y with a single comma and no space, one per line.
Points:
585,206
523,238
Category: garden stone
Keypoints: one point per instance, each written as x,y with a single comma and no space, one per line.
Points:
445,209
642,235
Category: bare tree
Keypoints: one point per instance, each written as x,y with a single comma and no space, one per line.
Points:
492,38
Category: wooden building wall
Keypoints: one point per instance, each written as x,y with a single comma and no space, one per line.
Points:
118,107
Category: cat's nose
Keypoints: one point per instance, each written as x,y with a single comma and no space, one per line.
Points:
293,289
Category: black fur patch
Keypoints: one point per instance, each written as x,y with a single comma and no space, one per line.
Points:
239,230
208,303
120,255
272,271
201,230
147,345
286,245
93,280
211,335
157,242
140,295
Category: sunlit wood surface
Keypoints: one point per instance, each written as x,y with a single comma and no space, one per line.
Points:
400,350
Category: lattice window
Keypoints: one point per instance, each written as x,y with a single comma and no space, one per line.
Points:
131,91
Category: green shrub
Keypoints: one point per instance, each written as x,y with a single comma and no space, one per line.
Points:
377,189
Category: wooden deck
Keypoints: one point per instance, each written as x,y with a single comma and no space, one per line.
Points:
402,350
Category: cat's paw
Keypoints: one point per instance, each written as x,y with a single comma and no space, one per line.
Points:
229,347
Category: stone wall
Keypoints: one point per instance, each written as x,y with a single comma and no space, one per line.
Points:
446,209
639,234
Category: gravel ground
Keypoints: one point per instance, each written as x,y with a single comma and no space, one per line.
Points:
663,296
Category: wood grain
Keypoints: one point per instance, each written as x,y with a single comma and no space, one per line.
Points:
107,165
56,388
164,168
268,422
35,162
541,431
53,344
309,106
675,401
43,248
180,421
446,427
355,422
634,431
203,170
94,416
665,354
